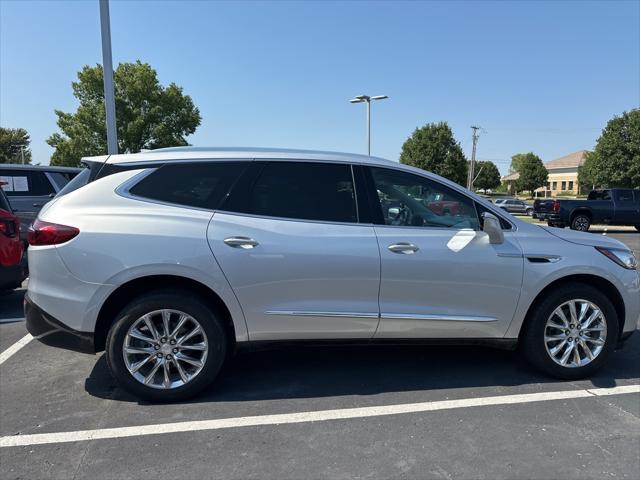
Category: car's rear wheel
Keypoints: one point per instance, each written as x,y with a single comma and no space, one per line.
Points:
529,212
166,346
571,332
581,222
638,227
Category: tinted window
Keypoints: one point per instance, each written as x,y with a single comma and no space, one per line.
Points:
80,180
625,196
410,200
4,202
24,183
202,185
60,178
599,195
302,190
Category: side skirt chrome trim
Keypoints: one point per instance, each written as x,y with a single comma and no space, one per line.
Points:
386,316
322,314
444,318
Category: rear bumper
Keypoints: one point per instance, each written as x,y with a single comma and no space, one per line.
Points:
54,333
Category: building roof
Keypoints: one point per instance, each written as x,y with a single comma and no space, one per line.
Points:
573,160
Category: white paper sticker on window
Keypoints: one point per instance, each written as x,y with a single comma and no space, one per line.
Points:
7,183
20,184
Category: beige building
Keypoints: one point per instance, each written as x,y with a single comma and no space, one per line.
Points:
563,176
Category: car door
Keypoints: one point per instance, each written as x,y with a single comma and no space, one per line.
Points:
440,278
627,209
289,242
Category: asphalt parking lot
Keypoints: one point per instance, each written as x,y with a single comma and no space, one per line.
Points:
368,412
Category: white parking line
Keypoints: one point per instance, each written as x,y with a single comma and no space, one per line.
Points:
302,417
4,356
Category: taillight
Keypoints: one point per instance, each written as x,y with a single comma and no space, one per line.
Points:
8,228
9,225
45,233
556,206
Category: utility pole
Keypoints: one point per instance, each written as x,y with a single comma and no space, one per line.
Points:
22,153
107,72
471,178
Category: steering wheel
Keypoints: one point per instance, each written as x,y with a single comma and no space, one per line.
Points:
404,216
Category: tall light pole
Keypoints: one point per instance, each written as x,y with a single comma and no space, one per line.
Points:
367,99
107,72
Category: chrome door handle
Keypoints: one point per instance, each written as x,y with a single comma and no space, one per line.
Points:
240,242
403,247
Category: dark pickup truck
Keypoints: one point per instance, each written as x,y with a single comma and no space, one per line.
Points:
542,208
615,206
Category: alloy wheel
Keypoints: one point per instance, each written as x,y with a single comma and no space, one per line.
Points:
575,333
581,223
165,349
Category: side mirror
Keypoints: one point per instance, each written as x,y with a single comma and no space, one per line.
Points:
491,226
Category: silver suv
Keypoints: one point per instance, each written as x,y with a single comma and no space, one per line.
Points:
172,259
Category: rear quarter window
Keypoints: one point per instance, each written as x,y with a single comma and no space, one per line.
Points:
201,185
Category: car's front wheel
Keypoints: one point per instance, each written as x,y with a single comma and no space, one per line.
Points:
166,346
571,332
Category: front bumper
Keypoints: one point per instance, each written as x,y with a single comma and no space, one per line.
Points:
54,333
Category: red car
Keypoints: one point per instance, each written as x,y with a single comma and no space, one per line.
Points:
12,264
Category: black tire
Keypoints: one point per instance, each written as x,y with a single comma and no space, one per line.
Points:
183,301
581,222
532,342
529,212
638,227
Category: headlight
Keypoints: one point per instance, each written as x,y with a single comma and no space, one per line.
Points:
624,258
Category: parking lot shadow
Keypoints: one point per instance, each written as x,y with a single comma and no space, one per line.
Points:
311,372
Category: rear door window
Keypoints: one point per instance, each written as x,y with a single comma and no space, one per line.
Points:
201,185
624,196
299,190
25,183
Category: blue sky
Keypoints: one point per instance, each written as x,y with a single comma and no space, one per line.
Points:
538,76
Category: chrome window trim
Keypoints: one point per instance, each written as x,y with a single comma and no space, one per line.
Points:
299,220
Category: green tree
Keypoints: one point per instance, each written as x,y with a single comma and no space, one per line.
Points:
487,175
516,161
433,147
533,173
615,162
587,172
14,145
148,115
